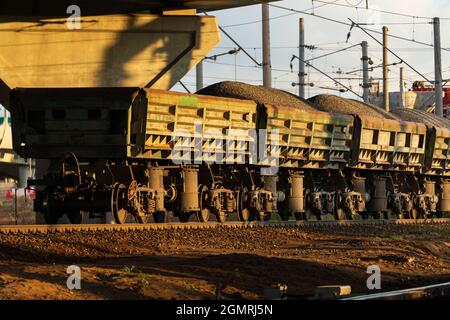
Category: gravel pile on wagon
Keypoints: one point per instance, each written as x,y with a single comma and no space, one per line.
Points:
259,94
335,104
421,116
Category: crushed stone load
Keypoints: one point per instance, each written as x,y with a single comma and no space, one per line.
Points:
335,104
421,116
259,94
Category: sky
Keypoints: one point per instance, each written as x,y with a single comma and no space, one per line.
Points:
412,22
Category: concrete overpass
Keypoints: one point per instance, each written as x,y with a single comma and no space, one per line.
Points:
139,43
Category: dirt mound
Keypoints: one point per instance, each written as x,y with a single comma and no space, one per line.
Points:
335,104
429,119
259,94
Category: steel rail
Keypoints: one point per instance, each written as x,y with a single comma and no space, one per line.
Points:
401,293
5,229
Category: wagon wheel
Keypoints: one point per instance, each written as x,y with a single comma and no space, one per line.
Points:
407,214
132,189
243,210
75,216
340,214
267,216
377,215
387,215
283,211
204,213
365,215
119,203
184,216
159,216
49,210
301,215
439,215
142,219
221,216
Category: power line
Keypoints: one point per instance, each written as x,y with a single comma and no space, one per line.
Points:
344,23
329,77
237,44
245,66
184,86
334,52
392,52
378,10
277,17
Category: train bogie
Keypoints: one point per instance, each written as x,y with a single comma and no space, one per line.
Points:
141,154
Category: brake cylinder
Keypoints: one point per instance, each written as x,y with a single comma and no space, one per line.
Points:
155,182
378,201
296,194
189,195
444,199
270,184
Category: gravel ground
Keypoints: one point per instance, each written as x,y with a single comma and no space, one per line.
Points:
188,264
335,104
259,94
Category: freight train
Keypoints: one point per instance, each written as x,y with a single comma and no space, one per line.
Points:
141,153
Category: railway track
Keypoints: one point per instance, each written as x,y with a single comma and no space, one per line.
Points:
432,291
211,225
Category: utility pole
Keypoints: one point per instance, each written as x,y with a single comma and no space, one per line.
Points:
365,60
199,76
402,87
267,74
301,72
437,67
385,70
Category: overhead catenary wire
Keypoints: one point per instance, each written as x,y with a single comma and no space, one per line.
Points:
377,10
238,45
281,70
276,17
329,77
334,52
184,86
345,23
392,52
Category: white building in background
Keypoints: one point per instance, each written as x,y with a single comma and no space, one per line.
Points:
11,165
420,97
411,100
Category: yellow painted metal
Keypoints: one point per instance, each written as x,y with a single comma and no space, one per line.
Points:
389,144
108,51
439,160
192,128
310,139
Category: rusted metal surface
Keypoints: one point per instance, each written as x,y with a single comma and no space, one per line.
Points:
210,225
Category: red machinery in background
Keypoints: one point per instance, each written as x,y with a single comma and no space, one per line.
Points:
420,86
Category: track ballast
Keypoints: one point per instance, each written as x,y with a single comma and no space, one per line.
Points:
211,225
